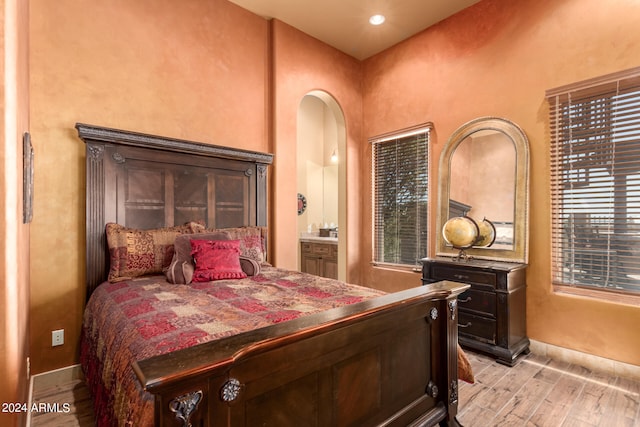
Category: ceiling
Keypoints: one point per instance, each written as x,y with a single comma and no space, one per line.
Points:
344,24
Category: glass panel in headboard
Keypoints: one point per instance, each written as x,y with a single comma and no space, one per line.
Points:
157,194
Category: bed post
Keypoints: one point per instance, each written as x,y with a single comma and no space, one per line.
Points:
443,387
452,354
451,349
95,217
261,195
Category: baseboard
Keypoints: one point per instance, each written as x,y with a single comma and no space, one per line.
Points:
49,379
595,363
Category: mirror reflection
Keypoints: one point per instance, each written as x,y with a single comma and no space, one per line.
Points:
483,182
484,175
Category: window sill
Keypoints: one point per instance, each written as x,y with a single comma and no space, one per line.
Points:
397,267
599,294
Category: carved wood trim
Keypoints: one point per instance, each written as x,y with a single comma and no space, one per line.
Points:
185,405
95,219
121,137
261,194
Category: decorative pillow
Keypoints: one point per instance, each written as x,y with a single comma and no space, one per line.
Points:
181,268
134,252
252,239
182,273
179,273
250,266
216,259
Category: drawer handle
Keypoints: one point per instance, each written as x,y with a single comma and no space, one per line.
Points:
466,325
467,299
461,277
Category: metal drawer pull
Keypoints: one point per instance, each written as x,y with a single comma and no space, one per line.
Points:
461,276
467,299
466,325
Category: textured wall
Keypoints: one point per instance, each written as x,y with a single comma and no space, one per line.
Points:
14,235
303,64
196,71
201,71
497,58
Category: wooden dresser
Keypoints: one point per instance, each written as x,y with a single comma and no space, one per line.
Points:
492,313
319,258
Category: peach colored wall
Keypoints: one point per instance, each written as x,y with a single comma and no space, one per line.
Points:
302,64
196,70
497,58
14,235
203,71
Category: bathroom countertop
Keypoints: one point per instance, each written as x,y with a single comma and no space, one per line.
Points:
318,239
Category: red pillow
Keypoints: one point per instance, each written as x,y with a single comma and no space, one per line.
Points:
181,269
216,259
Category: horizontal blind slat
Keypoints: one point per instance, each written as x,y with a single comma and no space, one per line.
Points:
400,194
595,183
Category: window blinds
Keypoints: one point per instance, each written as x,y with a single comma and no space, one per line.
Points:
400,189
595,182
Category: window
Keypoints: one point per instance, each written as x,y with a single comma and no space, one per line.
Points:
400,193
595,183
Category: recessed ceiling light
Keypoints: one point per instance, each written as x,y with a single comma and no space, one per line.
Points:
376,19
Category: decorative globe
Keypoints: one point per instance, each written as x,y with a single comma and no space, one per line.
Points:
486,233
461,232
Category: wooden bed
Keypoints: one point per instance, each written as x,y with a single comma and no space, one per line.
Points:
387,361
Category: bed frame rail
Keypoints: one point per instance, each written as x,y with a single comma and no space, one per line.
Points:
389,361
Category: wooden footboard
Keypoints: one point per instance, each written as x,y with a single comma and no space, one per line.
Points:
389,361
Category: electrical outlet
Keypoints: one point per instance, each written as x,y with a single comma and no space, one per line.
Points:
57,337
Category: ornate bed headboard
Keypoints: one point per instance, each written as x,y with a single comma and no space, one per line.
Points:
146,181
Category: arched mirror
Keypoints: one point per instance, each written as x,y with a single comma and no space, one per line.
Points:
484,174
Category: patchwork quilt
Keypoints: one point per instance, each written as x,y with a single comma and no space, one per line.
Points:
147,316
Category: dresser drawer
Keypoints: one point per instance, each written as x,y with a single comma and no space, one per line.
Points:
317,248
476,327
492,312
478,301
457,274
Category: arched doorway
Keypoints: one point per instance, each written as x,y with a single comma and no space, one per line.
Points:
321,168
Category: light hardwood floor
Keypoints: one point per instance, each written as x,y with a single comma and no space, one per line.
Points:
67,388
537,391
